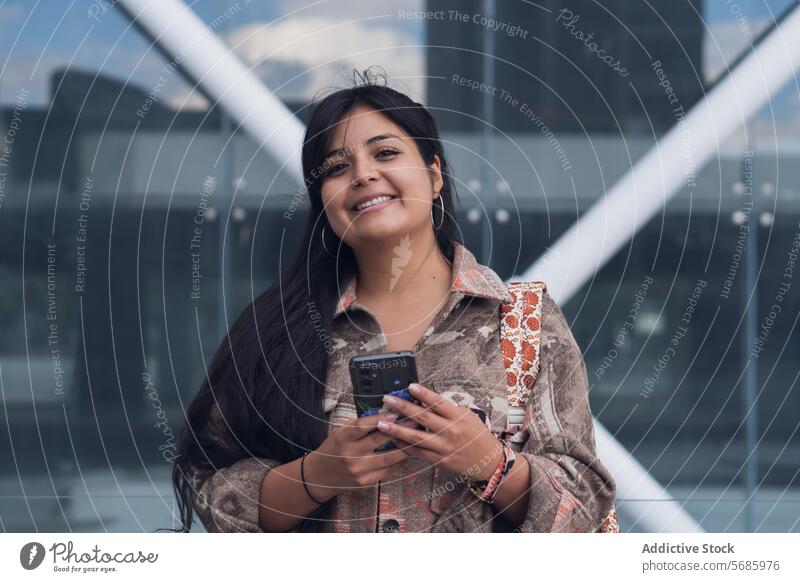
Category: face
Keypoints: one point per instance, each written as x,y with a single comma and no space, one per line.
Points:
370,156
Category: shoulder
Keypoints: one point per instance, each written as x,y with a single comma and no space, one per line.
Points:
559,345
552,316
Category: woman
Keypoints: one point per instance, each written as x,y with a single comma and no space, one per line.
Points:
272,441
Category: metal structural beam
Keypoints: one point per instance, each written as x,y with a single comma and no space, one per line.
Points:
644,190
205,58
604,229
641,497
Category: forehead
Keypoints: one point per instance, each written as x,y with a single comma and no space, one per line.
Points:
360,124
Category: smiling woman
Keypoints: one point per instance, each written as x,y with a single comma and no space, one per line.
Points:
378,188
273,442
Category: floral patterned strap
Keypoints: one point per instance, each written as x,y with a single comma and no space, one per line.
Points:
610,523
521,326
520,323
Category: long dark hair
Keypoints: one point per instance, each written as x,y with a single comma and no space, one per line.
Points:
268,374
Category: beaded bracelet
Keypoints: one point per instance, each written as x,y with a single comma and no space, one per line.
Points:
487,489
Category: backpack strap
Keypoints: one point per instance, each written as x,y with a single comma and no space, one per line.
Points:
520,342
520,323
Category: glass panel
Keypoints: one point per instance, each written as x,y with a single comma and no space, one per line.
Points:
101,192
120,177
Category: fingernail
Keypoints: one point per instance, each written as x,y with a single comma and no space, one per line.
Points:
414,388
383,425
391,417
390,399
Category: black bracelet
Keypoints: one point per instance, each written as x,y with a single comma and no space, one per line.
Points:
303,477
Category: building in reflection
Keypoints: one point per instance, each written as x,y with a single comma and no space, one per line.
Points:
545,58
133,342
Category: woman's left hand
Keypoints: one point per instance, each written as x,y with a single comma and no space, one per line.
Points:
457,437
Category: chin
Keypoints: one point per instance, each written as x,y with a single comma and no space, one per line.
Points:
381,235
373,230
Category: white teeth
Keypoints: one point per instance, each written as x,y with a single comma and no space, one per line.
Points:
373,202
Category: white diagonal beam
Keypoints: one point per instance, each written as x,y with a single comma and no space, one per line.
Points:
641,497
195,48
644,190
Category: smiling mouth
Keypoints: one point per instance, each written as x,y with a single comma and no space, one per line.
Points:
373,202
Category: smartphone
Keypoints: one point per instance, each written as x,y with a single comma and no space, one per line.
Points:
376,375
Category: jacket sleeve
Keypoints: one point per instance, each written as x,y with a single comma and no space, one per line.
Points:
570,489
227,500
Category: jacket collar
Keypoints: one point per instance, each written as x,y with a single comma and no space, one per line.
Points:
469,278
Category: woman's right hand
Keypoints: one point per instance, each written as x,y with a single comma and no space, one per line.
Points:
347,461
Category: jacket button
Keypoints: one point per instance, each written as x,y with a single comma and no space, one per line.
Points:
391,526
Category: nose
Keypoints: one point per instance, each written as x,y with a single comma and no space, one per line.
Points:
363,171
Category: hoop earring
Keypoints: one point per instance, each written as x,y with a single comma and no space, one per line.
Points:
442,220
324,246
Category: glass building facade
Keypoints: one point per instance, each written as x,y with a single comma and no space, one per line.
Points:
137,220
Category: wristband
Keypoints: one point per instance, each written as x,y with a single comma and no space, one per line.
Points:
303,477
487,489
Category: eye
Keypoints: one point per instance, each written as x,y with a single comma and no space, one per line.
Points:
334,170
338,167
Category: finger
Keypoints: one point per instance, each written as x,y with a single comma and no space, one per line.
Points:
412,436
421,414
388,459
410,423
372,441
377,460
368,443
418,451
358,428
407,423
434,401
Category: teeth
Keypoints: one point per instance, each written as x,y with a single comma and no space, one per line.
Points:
373,202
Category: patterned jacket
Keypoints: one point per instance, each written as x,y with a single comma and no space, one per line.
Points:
458,356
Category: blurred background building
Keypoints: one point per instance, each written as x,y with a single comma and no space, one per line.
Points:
111,302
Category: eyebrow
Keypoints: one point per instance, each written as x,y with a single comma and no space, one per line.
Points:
369,141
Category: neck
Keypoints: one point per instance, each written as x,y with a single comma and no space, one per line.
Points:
402,267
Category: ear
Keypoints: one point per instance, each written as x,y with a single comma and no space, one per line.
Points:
436,169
